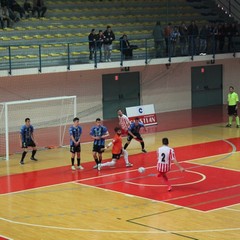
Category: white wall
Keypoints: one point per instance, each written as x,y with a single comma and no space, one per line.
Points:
169,89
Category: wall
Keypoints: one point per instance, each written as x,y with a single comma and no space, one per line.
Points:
169,89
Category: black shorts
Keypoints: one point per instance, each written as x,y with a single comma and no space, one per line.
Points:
98,149
130,137
116,156
30,143
74,149
232,110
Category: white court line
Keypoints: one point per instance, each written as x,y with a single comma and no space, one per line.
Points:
179,184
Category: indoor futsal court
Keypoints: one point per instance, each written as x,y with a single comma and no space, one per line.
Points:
47,200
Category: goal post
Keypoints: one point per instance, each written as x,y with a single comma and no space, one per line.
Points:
49,117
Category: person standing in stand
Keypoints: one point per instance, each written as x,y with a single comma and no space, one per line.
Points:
107,44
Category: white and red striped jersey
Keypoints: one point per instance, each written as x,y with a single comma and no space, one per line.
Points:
124,122
165,157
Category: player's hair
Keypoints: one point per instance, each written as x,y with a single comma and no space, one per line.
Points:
231,87
27,119
116,129
165,141
98,119
75,119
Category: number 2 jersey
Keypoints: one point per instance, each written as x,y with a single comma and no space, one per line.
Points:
165,156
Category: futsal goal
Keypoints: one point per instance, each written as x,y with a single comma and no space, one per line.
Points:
50,118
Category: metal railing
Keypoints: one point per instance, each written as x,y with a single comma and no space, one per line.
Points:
39,56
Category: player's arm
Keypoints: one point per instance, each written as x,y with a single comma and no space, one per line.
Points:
130,133
105,135
73,139
178,165
21,139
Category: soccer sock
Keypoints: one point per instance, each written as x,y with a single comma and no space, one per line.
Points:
230,120
142,144
125,146
108,164
33,153
23,156
72,160
165,178
237,120
125,156
100,159
78,161
96,160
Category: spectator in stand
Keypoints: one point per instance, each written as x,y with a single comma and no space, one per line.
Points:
167,32
203,36
8,12
174,40
4,17
158,36
100,39
15,7
231,34
92,44
214,37
39,7
183,39
27,8
221,37
125,47
192,38
107,44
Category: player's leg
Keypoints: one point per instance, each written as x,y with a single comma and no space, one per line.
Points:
125,156
79,158
237,118
165,179
108,164
72,150
230,116
94,153
24,153
34,150
140,139
129,139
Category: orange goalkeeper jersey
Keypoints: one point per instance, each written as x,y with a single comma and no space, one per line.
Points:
117,144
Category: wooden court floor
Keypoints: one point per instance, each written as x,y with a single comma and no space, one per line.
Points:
47,200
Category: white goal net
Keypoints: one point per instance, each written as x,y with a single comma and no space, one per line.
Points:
50,118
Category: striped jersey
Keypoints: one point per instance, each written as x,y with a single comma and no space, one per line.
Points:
124,122
26,133
165,157
98,131
76,133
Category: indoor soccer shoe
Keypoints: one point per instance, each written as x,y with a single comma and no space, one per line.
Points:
80,167
129,165
73,168
144,151
33,158
21,162
228,125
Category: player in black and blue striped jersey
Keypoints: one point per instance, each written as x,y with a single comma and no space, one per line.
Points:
27,140
75,132
99,133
